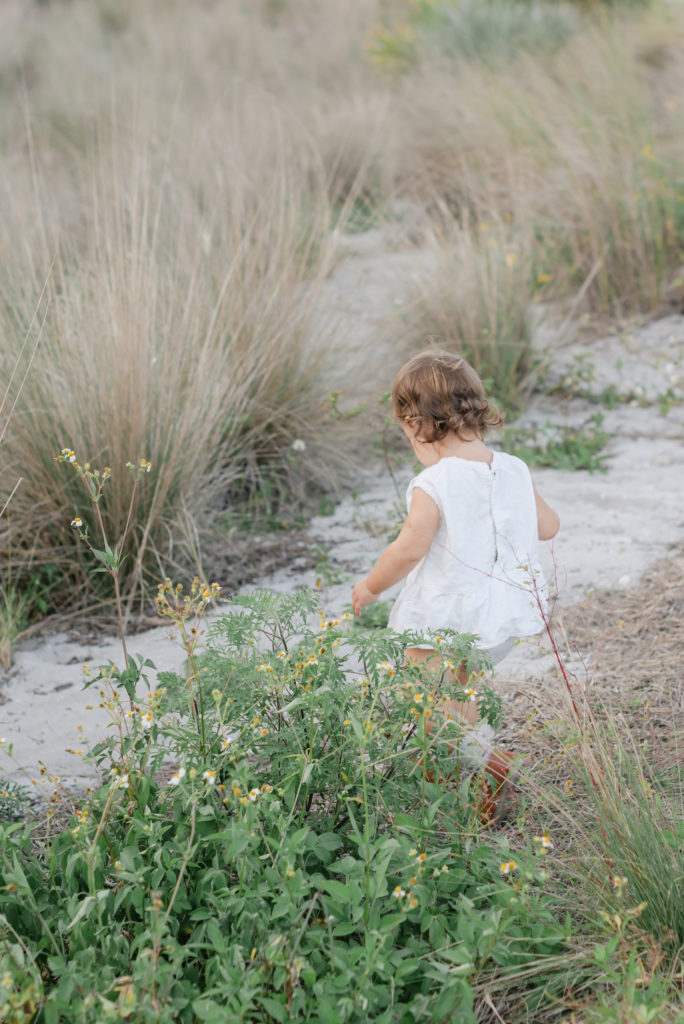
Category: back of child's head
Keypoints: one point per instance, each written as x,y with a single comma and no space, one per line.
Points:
439,393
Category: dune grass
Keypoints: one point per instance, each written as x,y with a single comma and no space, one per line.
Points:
178,328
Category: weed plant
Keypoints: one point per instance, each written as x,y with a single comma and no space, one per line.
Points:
559,446
299,865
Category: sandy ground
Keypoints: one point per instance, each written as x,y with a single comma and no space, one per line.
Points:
615,525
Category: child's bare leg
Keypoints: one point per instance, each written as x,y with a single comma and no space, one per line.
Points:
465,711
476,748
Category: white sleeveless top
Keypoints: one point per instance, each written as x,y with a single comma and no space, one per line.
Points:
481,573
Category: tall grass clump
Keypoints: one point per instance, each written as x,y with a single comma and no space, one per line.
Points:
178,327
476,301
582,152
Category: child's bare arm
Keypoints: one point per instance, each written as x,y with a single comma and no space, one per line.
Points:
401,555
548,522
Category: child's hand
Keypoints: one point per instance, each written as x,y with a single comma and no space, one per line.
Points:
361,596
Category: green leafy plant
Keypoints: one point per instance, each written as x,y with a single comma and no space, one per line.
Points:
299,862
560,447
15,799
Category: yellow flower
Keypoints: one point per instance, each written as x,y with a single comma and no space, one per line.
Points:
507,867
398,892
543,278
209,776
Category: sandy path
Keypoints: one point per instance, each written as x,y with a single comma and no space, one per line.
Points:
614,524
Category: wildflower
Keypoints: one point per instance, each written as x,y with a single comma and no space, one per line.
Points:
298,445
413,853
421,857
253,794
176,777
398,892
225,744
417,698
146,720
543,278
2,740
386,666
77,522
471,694
507,867
263,732
266,788
413,902
312,660
282,654
145,466
121,781
619,882
209,776
347,721
568,786
67,455
117,865
264,667
544,842
412,881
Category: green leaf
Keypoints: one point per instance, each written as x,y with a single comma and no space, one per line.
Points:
338,890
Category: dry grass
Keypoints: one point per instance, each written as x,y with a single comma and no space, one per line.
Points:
178,328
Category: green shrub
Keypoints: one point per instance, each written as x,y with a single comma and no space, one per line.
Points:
496,31
299,865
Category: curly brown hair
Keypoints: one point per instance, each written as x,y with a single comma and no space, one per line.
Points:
440,393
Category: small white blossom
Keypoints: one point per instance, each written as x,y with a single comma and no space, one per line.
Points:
298,445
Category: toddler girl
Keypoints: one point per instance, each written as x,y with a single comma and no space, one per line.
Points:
468,549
